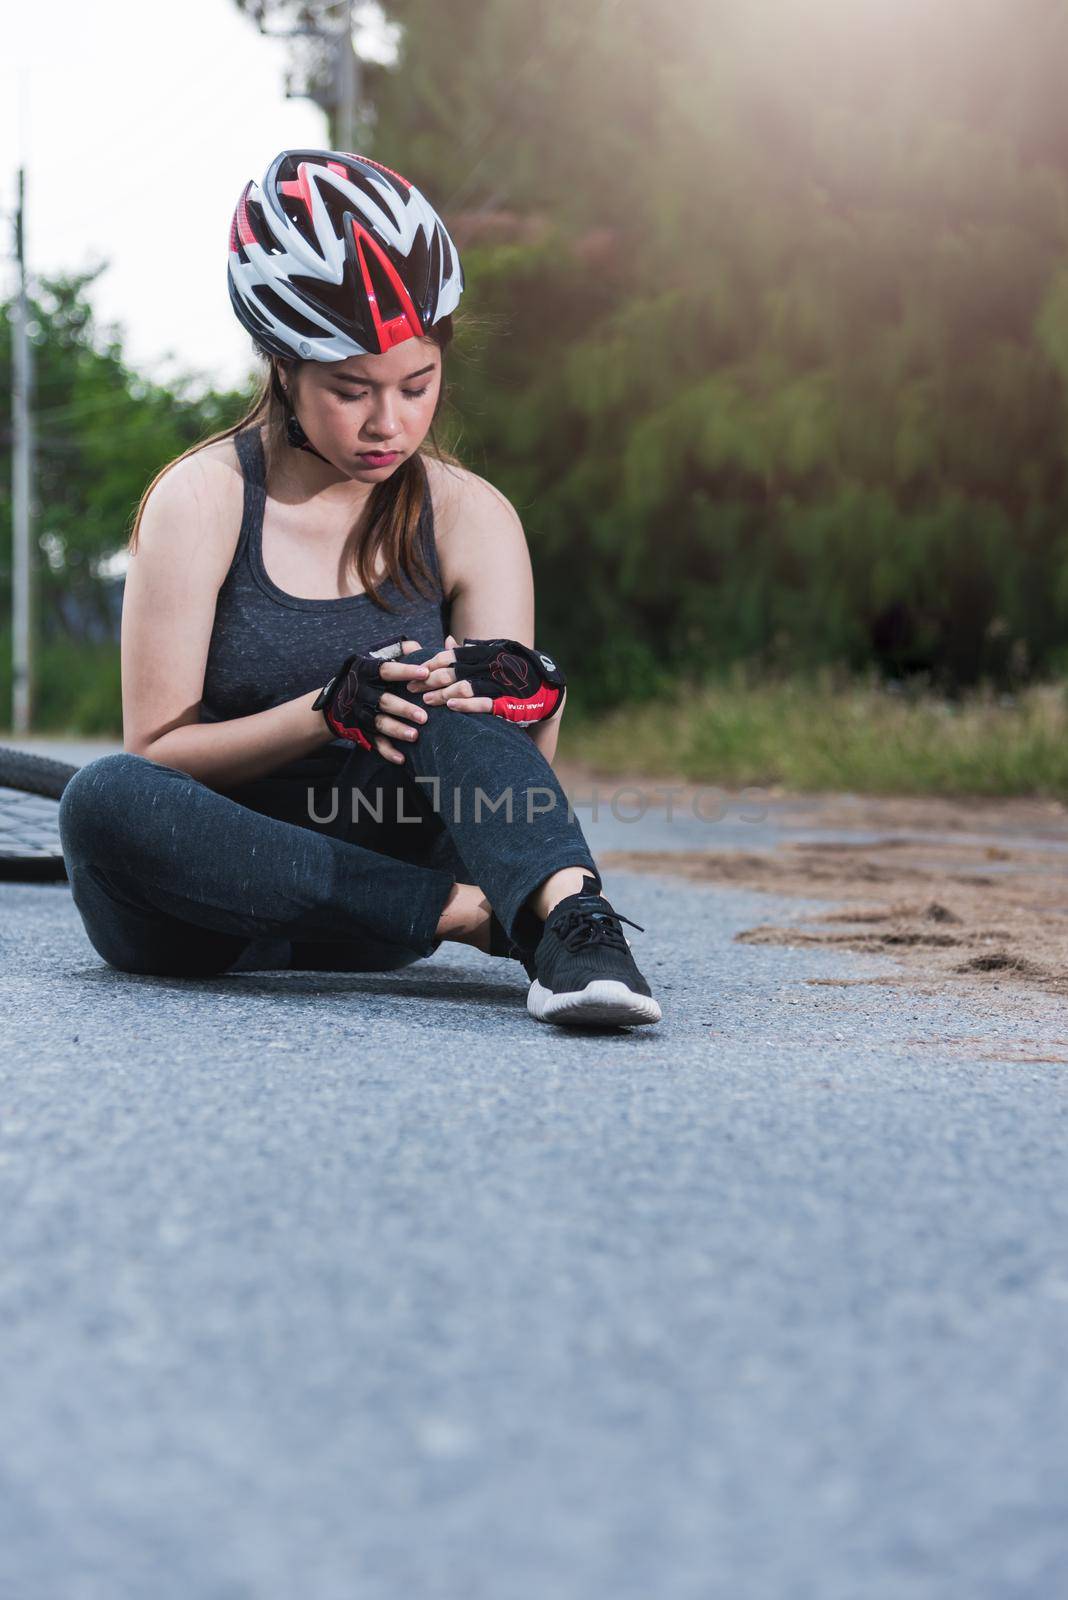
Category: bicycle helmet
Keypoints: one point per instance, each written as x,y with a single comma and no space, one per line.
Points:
333,255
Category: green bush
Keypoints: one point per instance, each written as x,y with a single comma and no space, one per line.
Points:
78,688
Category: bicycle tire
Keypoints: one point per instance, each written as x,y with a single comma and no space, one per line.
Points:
34,774
29,847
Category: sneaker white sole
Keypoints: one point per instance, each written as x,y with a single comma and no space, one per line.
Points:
604,1001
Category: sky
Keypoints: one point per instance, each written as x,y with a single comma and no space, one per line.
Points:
139,124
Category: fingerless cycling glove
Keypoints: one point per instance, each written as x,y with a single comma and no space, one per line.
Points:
349,702
525,685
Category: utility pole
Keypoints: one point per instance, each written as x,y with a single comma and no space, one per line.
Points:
344,112
21,489
348,89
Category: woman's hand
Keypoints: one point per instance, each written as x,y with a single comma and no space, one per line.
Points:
357,707
442,687
396,715
501,676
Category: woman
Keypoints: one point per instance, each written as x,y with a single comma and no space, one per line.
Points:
315,774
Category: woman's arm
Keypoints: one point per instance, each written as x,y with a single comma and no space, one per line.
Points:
186,543
488,578
545,734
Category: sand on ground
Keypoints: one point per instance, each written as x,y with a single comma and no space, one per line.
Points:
955,890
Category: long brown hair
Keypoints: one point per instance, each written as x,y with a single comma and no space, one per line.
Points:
389,523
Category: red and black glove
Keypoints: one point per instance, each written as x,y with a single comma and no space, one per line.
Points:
349,702
524,685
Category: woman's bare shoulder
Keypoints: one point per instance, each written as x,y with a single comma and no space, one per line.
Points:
459,494
477,530
195,507
213,469
213,466
219,450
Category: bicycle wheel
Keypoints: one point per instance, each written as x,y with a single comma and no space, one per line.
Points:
30,790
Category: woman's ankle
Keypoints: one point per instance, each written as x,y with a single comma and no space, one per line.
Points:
557,887
465,917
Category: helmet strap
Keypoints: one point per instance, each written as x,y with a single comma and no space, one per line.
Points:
294,432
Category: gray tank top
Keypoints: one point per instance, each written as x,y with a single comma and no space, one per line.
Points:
268,646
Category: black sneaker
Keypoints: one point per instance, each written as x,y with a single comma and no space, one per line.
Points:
584,974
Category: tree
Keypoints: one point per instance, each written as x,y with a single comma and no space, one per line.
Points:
783,374
103,432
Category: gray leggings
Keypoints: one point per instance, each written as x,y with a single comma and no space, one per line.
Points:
172,877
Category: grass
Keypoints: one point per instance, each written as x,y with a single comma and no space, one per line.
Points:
823,734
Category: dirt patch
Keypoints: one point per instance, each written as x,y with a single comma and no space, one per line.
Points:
991,908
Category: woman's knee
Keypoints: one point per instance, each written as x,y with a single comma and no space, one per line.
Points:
99,800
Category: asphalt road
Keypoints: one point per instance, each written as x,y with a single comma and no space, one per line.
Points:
366,1286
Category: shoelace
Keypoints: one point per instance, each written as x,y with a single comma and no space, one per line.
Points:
584,925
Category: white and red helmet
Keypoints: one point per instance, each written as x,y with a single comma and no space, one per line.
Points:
334,255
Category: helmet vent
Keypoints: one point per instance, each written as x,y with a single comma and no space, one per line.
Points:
389,305
340,206
394,179
285,313
298,216
258,224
